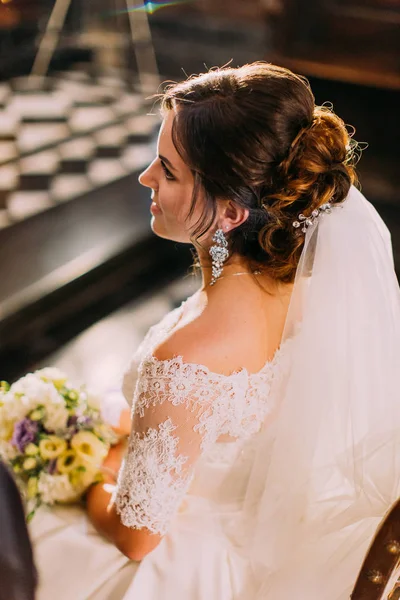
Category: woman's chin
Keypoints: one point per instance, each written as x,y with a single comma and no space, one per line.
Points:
157,228
161,231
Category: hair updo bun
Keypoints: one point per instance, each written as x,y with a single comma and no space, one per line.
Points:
254,135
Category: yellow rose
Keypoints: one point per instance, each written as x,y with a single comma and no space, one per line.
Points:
31,450
68,461
29,464
105,432
37,414
8,431
4,386
52,447
82,478
89,448
32,487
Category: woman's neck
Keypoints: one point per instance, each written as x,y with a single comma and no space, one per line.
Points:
235,265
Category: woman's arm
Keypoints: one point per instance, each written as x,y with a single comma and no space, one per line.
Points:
134,543
165,443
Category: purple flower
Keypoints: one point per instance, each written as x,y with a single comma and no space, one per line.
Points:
52,466
25,432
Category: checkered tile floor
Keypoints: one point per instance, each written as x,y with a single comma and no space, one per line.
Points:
76,135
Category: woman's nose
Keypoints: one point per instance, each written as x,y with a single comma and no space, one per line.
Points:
146,178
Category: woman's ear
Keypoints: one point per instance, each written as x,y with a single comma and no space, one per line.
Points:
232,215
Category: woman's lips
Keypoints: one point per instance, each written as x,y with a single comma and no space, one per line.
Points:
155,209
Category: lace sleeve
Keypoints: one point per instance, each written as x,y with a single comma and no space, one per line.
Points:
169,432
131,375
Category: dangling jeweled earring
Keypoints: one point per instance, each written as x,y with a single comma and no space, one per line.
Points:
219,253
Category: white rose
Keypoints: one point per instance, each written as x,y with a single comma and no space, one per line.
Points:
56,417
28,393
51,374
29,385
16,408
7,451
56,488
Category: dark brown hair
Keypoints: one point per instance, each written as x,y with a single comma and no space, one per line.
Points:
18,576
254,135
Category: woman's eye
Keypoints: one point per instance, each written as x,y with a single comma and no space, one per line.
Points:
168,174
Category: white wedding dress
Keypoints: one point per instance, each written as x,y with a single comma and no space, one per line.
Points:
185,476
257,503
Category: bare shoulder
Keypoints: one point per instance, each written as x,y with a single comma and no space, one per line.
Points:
226,334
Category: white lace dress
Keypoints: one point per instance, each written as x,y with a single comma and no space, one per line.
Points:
184,476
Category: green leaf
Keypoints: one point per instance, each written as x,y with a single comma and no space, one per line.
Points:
30,516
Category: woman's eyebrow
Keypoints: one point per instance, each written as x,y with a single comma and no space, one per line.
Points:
167,162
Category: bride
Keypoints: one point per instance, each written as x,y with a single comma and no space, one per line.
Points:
264,434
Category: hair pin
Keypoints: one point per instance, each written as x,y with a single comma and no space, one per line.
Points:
306,222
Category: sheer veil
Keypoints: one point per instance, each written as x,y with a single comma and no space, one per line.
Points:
328,467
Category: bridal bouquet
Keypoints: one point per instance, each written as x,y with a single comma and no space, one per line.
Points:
52,436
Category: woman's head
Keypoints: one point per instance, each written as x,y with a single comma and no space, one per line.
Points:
249,151
18,577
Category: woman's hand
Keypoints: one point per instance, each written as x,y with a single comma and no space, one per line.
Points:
99,495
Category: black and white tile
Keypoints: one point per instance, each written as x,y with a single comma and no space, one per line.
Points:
75,135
